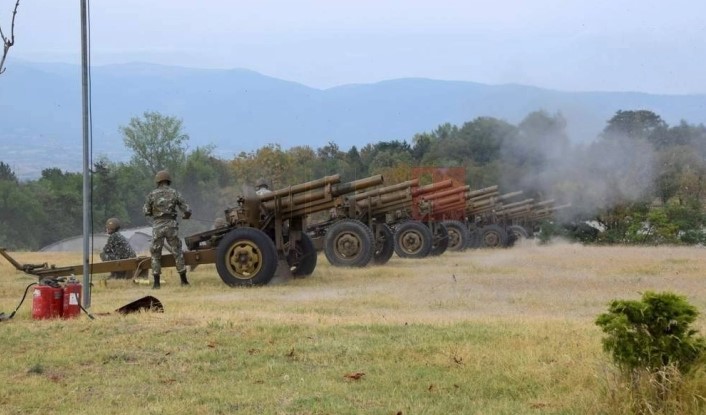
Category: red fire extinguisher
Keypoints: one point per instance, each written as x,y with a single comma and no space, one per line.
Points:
47,300
72,298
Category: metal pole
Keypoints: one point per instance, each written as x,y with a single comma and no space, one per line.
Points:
86,295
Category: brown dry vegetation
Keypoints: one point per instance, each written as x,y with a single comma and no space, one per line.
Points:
487,332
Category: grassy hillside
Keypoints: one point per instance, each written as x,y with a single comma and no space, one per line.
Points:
481,332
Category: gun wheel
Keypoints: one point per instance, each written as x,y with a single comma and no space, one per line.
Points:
459,236
516,233
413,240
493,236
441,239
384,244
246,256
302,259
349,243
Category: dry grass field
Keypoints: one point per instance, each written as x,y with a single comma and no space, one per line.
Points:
480,332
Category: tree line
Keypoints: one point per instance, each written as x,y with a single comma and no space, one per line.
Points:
640,181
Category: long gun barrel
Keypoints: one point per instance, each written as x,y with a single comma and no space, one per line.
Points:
385,190
430,188
299,188
315,191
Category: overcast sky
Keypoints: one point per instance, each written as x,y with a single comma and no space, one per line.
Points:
653,46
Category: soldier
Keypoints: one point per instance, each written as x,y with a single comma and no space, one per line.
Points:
117,247
261,187
162,204
219,223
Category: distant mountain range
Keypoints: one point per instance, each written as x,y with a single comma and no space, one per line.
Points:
240,110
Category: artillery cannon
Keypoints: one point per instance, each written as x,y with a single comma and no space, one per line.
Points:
487,224
264,234
381,210
445,210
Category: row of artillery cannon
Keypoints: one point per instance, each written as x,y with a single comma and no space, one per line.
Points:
279,234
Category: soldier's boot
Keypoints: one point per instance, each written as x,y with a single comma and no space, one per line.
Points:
156,285
184,281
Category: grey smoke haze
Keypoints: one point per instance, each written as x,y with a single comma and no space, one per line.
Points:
594,176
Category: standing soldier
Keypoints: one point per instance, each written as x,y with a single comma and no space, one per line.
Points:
162,204
116,247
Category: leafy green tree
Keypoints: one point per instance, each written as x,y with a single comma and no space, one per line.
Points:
355,169
157,142
204,176
331,160
21,216
60,194
6,173
641,124
107,197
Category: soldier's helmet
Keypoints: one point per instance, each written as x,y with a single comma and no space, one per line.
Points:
261,182
162,176
112,224
219,223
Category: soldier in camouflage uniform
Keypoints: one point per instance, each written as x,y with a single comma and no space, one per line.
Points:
117,247
162,204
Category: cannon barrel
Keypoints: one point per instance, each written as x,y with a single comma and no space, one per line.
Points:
303,187
545,203
547,211
482,192
386,189
510,195
521,203
384,199
446,192
355,185
430,188
325,191
483,198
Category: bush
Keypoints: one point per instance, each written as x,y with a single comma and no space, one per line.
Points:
652,333
661,359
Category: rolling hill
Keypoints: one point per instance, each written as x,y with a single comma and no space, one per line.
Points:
240,110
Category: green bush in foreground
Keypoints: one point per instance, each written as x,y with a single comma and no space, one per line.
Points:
659,356
652,333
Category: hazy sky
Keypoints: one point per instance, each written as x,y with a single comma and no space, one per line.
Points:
604,45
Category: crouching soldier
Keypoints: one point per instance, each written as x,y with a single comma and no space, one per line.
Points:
117,247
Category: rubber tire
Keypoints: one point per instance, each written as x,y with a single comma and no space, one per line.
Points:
349,228
493,236
441,239
459,235
264,247
384,245
421,231
515,233
303,258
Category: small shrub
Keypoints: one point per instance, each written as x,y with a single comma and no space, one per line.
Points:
657,352
652,333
